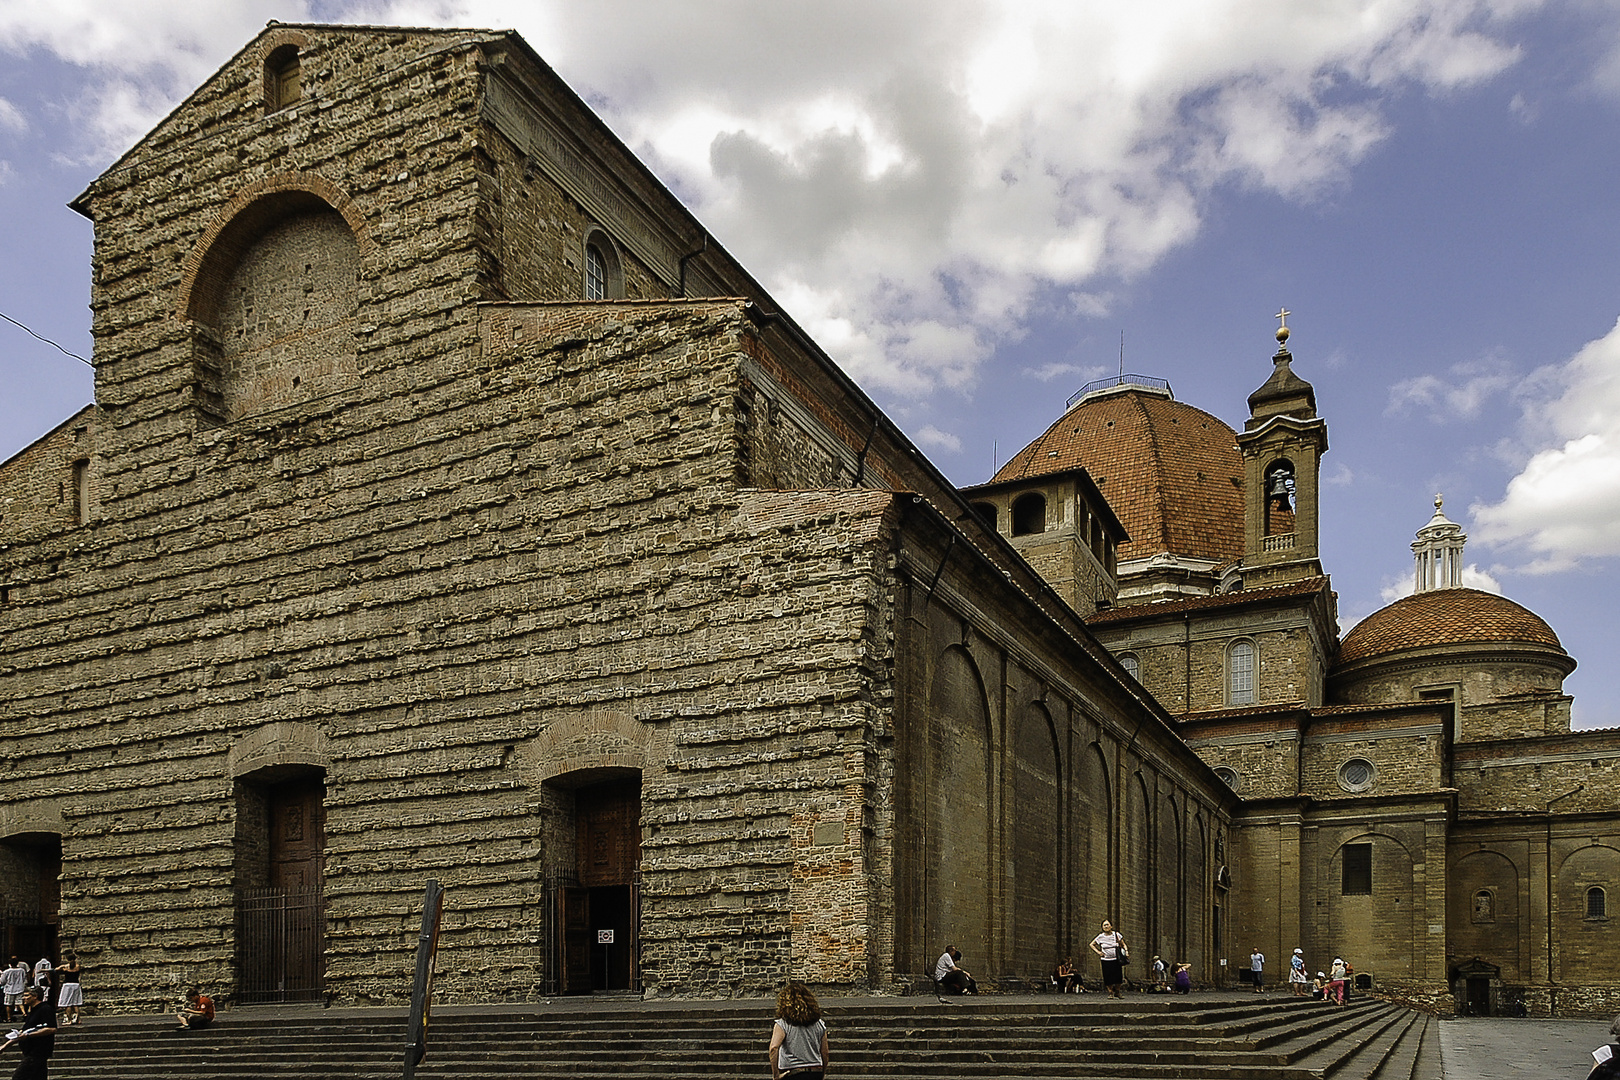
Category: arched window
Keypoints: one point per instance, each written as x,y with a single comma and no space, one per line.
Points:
1029,515
1240,673
604,277
1597,903
1132,665
987,511
1484,906
283,78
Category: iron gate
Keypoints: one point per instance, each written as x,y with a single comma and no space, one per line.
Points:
280,939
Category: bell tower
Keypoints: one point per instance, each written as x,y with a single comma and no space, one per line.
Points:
1282,445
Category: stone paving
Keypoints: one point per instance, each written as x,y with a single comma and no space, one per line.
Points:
1494,1048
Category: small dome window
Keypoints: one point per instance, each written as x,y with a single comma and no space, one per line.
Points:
1597,903
1227,776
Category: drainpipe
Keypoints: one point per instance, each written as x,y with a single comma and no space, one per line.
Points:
1549,883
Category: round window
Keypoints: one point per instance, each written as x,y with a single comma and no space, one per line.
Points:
1229,777
1356,774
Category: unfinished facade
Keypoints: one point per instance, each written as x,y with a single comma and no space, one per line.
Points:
453,507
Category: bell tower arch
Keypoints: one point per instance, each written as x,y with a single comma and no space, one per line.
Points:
1282,445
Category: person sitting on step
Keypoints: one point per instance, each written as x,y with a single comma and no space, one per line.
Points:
948,973
198,1011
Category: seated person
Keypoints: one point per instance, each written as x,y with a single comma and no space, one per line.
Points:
1065,979
948,974
198,1012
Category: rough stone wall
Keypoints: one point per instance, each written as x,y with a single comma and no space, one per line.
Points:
1528,716
1407,754
1185,666
537,231
1576,773
1264,755
982,684
778,444
1495,689
442,583
37,494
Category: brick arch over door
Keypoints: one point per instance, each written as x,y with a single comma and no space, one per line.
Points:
959,801
1036,838
272,297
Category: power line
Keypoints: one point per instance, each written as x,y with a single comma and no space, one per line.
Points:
46,340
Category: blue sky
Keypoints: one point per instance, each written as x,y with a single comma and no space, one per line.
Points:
969,202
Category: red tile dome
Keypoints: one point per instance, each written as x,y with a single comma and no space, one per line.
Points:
1172,473
1445,617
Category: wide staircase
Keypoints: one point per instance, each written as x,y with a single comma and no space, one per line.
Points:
1211,1035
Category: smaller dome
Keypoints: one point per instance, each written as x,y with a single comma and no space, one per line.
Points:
1446,617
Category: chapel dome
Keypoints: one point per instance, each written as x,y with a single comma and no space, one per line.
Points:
1170,472
1443,617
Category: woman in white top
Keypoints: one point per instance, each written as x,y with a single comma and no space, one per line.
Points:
1111,947
799,1036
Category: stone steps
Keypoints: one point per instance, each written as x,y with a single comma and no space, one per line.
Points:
988,1038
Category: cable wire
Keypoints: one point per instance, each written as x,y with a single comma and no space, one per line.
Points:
46,340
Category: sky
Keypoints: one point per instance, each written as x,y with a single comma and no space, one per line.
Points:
976,207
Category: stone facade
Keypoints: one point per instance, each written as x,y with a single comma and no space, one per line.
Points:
391,558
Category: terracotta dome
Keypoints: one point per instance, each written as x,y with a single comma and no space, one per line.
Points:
1172,473
1446,617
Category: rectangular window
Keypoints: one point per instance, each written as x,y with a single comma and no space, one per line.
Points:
1357,870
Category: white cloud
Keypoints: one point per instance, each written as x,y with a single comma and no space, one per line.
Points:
906,177
1563,507
11,118
1075,373
1460,394
931,436
1472,578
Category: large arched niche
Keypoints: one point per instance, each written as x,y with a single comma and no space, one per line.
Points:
959,799
1375,930
1197,891
1585,938
1136,864
1167,879
1036,841
272,295
1094,815
1482,899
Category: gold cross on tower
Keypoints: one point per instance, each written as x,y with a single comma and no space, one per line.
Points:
1282,331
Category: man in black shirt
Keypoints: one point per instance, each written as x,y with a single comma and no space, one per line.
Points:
36,1038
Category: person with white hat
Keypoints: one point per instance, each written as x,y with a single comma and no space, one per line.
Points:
1296,973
